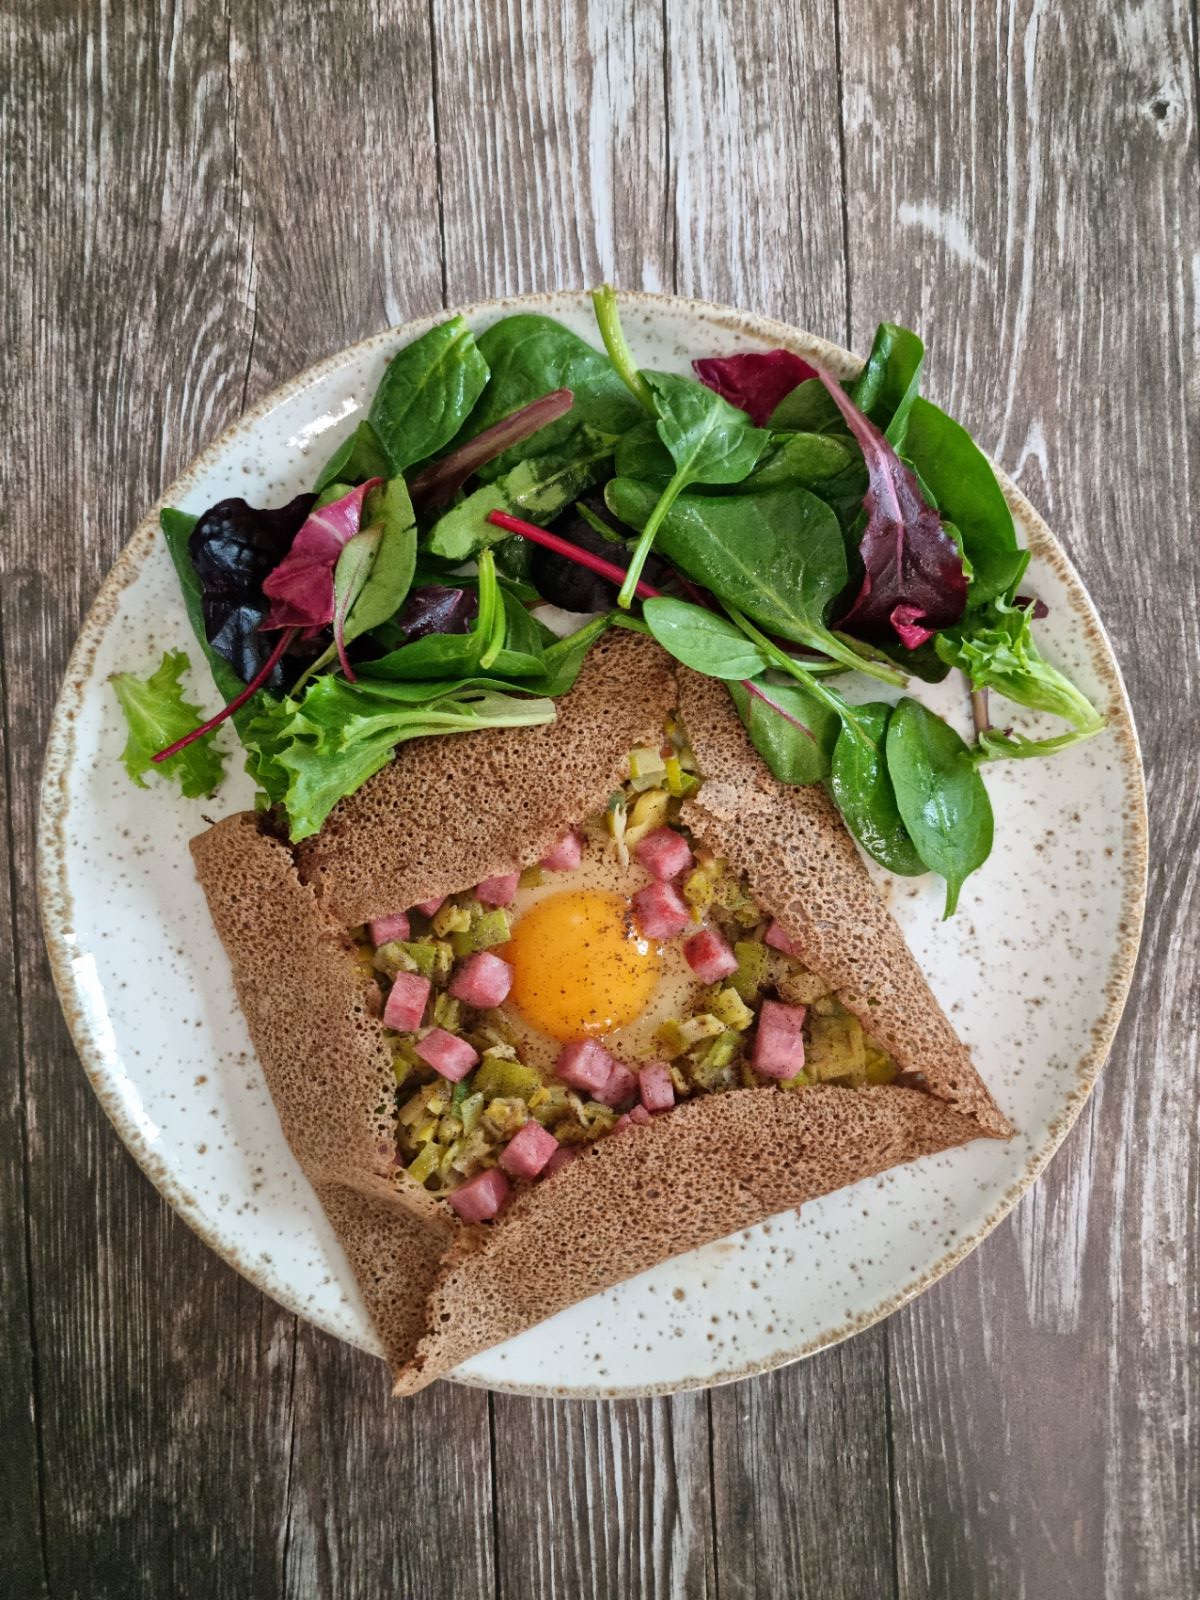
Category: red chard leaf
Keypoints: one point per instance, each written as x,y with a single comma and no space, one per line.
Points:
755,381
438,483
914,581
301,586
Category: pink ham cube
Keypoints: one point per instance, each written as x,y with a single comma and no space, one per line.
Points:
636,1118
778,940
779,1045
447,1054
430,908
655,1086
661,911
406,1002
528,1151
482,981
709,955
664,853
481,1197
584,1065
384,930
566,855
498,891
620,1089
561,1158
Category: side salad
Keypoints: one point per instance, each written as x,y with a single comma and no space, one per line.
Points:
767,524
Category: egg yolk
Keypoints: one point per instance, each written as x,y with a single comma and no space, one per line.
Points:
580,967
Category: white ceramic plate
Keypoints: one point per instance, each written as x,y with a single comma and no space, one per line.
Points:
1033,971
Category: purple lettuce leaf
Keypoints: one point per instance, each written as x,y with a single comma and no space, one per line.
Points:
755,381
913,583
300,588
433,609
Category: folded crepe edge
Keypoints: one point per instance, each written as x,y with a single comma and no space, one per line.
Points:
313,1009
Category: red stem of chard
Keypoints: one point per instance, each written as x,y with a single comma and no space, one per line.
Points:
238,701
569,551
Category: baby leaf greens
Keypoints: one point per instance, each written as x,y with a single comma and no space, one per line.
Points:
801,528
156,714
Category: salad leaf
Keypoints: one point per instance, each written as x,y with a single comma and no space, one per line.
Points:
300,588
565,582
914,581
358,457
702,640
177,528
793,731
958,476
308,754
563,660
431,608
996,649
531,355
537,490
709,441
889,381
426,393
809,459
373,572
776,555
439,482
156,715
808,409
862,787
755,381
221,565
940,796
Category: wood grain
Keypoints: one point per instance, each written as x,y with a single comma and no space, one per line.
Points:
200,201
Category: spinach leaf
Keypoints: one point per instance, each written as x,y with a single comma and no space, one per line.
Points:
709,441
964,488
641,454
889,382
702,640
808,409
939,795
357,458
793,731
809,459
156,715
536,490
776,555
562,661
531,355
863,790
426,393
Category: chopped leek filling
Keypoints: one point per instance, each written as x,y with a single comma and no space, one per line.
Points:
447,1132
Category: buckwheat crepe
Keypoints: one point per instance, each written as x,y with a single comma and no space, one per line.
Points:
449,812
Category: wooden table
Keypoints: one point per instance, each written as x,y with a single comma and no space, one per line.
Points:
201,200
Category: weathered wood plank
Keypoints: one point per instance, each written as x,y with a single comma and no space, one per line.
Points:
1022,186
603,1499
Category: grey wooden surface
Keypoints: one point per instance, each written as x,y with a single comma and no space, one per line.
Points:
200,200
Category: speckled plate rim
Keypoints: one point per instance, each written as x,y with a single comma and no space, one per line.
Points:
56,906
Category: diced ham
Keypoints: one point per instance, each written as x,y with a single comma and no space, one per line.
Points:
498,891
709,955
386,929
446,1053
620,1088
430,908
664,853
778,940
481,1197
584,1065
636,1118
655,1086
562,1157
661,911
566,855
528,1151
406,1002
779,1044
482,981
